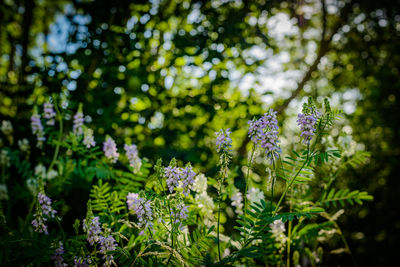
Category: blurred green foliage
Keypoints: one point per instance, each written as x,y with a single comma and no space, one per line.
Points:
165,75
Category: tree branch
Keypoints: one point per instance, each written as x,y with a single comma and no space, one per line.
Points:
324,47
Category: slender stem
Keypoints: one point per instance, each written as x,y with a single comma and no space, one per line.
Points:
289,234
291,182
170,217
221,182
287,188
59,137
172,236
247,178
272,185
59,225
282,196
219,214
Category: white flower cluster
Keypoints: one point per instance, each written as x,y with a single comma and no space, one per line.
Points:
278,231
204,202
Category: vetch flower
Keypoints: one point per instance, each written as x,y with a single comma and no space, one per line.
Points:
187,179
39,223
88,139
92,229
37,129
237,201
180,214
43,207
77,127
278,230
133,156
45,203
57,257
110,149
79,262
142,209
180,177
49,113
173,175
204,202
255,195
200,183
107,244
307,122
223,141
264,133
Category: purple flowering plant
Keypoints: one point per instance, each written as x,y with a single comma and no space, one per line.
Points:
137,215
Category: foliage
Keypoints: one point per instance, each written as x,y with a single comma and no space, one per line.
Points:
166,75
136,216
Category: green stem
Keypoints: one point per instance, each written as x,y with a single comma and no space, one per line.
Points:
59,225
282,197
247,179
59,137
221,182
289,235
291,183
272,185
219,214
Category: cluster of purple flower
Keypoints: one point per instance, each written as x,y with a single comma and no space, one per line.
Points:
57,257
37,129
48,113
45,209
92,229
264,133
307,121
133,157
142,209
223,141
110,149
107,244
39,223
79,262
95,235
180,214
45,203
77,127
183,177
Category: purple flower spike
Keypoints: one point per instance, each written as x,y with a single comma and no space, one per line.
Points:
92,229
78,124
49,113
110,150
107,244
264,133
180,177
133,157
37,129
142,209
307,122
223,141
